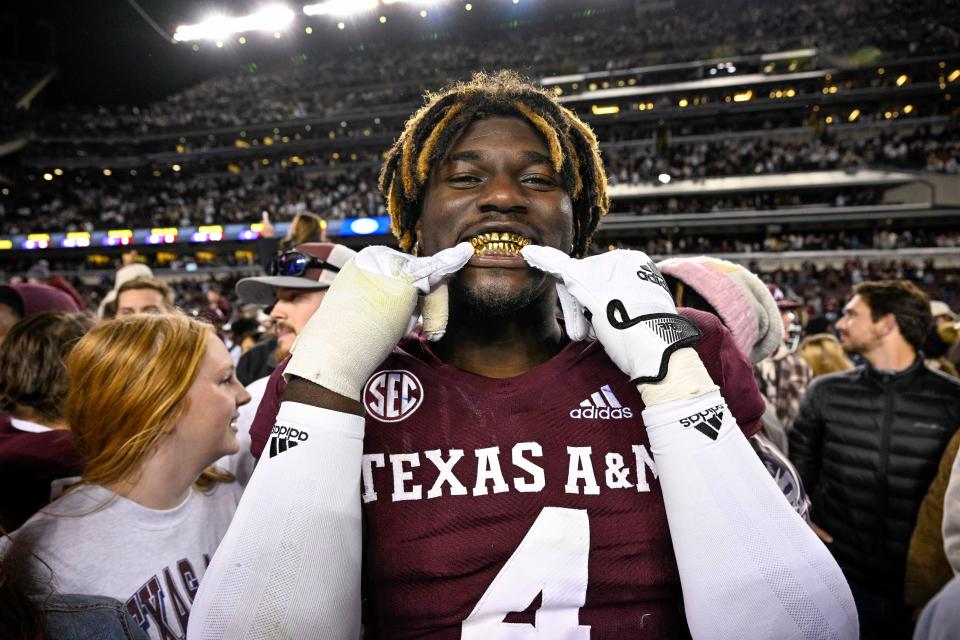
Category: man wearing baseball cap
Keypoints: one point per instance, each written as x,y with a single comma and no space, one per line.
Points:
295,283
784,376
19,301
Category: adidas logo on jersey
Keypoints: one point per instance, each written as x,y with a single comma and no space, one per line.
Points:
706,422
283,438
602,405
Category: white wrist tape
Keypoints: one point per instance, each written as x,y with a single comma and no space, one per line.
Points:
436,312
686,378
360,321
290,563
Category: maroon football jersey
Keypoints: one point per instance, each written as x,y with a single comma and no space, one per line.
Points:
29,465
526,507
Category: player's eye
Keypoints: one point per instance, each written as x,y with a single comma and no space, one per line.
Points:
540,180
464,179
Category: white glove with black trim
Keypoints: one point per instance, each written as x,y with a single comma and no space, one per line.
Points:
370,305
625,299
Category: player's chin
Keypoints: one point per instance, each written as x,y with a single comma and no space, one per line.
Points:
494,293
495,278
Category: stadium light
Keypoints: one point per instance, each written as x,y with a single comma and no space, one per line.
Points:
604,110
419,3
274,17
339,7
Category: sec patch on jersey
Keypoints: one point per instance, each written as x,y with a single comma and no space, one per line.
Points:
392,396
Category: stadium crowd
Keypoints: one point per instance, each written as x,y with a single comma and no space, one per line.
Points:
98,203
754,201
318,447
685,244
921,150
91,201
394,72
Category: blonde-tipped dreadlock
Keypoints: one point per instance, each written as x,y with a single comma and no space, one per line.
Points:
429,133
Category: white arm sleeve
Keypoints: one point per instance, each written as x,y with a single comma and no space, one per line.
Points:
750,567
289,566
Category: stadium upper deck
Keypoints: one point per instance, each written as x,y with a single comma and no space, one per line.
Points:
677,94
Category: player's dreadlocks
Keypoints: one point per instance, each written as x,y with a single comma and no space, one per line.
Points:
429,133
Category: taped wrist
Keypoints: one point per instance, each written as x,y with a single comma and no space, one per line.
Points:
362,318
686,378
436,313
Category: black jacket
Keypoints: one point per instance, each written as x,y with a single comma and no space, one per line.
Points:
867,444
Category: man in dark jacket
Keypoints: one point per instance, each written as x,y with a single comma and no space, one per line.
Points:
867,443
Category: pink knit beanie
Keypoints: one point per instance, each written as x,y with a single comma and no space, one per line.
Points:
741,300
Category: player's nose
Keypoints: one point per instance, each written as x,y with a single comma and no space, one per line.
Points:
502,193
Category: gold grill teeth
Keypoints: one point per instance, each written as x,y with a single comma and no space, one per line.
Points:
496,241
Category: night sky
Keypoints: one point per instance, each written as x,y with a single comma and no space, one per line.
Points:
108,54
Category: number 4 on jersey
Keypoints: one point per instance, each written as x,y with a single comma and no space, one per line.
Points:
551,560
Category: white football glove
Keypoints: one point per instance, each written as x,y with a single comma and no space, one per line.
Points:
625,299
370,305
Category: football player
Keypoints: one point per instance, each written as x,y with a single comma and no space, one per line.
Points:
517,476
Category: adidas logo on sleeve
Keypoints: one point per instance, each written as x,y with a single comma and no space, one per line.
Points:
706,422
601,405
283,438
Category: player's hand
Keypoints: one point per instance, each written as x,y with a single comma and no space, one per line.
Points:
422,273
438,267
625,299
370,305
